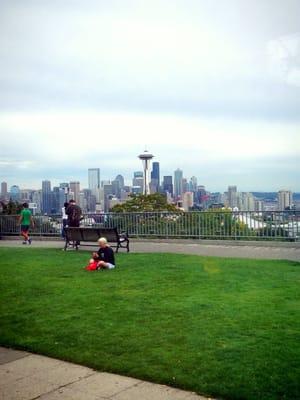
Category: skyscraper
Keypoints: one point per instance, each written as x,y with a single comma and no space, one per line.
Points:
46,197
15,193
66,189
118,186
193,184
116,191
155,179
75,189
168,184
94,182
58,199
4,194
187,201
90,200
285,199
178,174
120,178
107,194
232,196
138,180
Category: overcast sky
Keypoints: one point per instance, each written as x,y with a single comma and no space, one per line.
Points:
211,87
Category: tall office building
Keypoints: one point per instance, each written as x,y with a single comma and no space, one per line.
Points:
75,189
155,178
187,200
232,196
107,195
185,186
259,205
15,193
138,180
46,197
37,199
193,184
167,185
90,200
285,199
118,186
65,187
116,191
178,174
3,187
200,196
4,194
120,179
94,182
246,202
59,196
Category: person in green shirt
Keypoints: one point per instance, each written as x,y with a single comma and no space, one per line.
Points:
25,220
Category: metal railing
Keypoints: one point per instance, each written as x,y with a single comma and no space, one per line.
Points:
234,225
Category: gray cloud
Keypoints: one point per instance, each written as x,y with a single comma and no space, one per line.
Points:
205,60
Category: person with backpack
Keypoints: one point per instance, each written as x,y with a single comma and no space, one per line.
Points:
74,214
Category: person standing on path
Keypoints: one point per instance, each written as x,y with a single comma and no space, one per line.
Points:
25,220
74,214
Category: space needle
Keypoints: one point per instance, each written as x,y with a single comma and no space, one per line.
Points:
146,157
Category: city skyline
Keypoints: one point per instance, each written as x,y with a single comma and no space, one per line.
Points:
211,88
187,195
136,178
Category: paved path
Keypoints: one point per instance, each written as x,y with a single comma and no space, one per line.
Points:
263,250
25,376
287,251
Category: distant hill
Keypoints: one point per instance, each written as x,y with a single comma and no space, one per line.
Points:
296,196
272,196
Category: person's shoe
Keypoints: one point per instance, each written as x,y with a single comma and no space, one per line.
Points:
29,241
24,242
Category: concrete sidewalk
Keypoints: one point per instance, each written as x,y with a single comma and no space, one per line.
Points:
26,376
217,248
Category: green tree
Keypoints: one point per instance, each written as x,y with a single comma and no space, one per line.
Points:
11,208
145,203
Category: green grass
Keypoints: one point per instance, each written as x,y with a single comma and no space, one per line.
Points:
228,328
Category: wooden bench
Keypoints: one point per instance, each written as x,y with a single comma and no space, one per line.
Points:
91,235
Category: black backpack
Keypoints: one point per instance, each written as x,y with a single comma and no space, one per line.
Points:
74,214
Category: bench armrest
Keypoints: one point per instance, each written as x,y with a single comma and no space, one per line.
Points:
123,235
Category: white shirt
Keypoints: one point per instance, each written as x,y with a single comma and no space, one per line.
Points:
64,215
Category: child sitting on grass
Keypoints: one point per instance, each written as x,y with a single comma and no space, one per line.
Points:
103,259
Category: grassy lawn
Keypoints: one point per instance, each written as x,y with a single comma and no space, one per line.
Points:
228,328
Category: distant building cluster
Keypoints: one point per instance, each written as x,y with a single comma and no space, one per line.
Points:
101,196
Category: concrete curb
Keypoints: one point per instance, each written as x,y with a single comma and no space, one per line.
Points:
26,376
216,242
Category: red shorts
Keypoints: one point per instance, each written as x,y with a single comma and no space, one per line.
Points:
92,266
